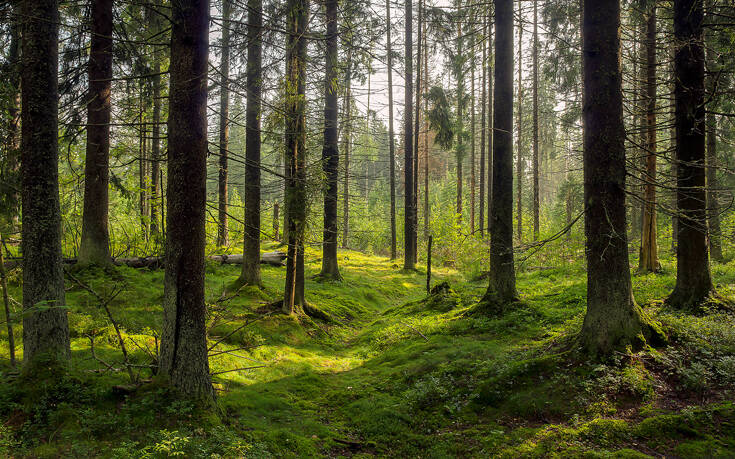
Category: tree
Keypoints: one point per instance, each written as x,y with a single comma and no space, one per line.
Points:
519,159
693,281
156,179
184,360
409,253
295,124
330,151
502,288
536,203
45,323
648,261
347,140
483,125
391,135
95,245
224,126
613,318
10,168
713,205
251,251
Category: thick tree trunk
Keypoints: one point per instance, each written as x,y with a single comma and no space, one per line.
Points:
613,319
391,134
502,287
298,11
330,151
251,244
648,261
95,245
536,200
409,255
693,281
45,323
184,358
224,127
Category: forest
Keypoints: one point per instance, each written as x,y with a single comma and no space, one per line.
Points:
367,228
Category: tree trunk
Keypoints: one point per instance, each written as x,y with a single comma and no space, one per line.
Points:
347,139
426,132
391,140
156,185
490,125
483,126
409,255
184,358
502,287
648,261
95,245
417,132
613,319
519,158
536,200
460,119
330,151
10,169
45,323
250,274
713,206
473,177
693,281
298,11
156,182
224,126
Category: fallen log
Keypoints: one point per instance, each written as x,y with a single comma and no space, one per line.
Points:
266,258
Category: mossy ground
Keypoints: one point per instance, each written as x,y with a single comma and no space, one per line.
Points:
391,375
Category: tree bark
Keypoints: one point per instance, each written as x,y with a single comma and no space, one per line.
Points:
45,323
156,185
713,206
298,11
483,126
648,261
502,286
693,281
460,119
251,241
519,158
95,245
473,159
409,255
536,199
391,134
184,358
347,139
10,169
490,125
224,127
613,319
330,151
417,135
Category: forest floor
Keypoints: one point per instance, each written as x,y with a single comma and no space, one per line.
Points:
394,373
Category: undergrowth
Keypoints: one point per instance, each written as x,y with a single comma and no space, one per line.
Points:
395,372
